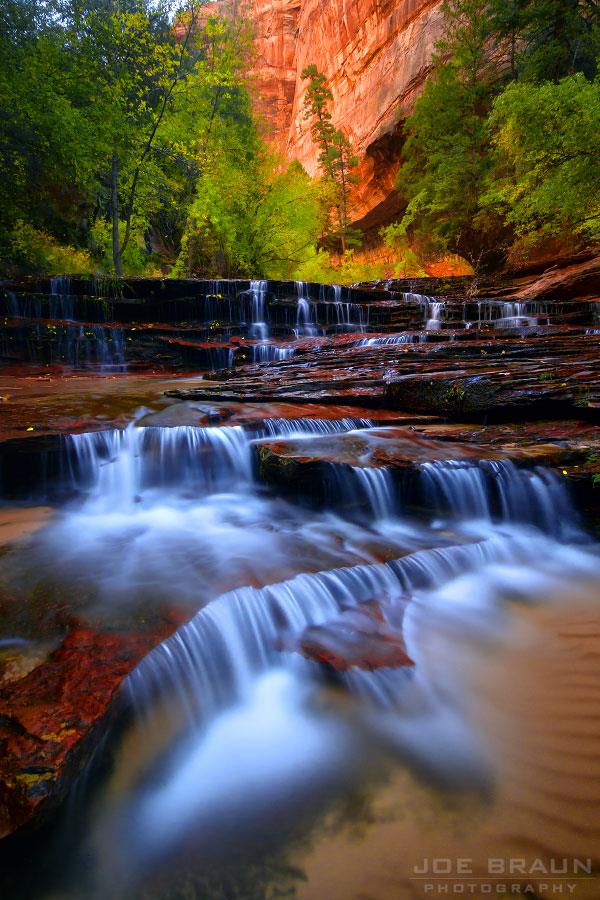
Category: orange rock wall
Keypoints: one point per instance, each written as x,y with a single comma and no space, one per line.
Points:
376,55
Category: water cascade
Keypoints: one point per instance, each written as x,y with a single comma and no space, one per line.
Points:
259,328
500,491
434,313
305,324
390,340
118,466
269,353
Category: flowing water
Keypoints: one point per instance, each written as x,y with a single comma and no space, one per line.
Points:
250,765
242,752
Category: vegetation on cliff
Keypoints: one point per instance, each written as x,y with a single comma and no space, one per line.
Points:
502,147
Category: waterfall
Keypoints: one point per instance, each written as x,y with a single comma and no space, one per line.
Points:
377,486
298,427
502,313
258,292
117,466
421,299
305,324
388,340
212,662
499,490
268,353
434,313
62,305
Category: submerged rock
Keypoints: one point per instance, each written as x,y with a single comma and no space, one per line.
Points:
360,638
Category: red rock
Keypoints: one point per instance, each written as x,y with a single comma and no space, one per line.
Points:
51,719
359,638
376,56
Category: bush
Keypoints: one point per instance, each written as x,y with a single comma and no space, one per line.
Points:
35,252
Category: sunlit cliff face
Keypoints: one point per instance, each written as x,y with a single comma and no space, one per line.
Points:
376,57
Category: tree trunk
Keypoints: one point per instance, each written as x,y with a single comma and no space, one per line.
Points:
116,250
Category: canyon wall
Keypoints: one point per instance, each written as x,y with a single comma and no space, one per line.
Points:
376,55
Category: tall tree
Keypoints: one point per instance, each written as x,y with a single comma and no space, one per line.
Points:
546,182
446,154
335,153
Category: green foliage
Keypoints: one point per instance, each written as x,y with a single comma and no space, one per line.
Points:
34,251
547,177
109,112
408,264
349,269
447,159
249,218
503,155
335,157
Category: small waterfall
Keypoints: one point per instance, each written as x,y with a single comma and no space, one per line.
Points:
434,313
499,490
305,324
421,299
258,292
62,305
378,488
213,661
117,466
502,313
268,353
405,337
299,427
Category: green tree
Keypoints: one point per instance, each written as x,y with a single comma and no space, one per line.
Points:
335,154
447,151
547,176
559,38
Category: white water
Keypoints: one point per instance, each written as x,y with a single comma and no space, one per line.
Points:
500,490
305,319
404,337
259,327
434,312
259,737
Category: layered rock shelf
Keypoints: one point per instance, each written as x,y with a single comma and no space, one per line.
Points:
360,400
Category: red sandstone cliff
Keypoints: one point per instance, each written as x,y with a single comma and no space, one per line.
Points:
376,55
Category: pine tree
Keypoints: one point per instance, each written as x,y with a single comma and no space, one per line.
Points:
335,153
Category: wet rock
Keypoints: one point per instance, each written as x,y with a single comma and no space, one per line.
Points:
51,719
479,388
362,638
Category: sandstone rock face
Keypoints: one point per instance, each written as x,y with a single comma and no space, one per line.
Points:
376,55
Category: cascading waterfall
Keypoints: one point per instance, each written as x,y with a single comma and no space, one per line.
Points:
212,661
62,305
298,427
305,324
249,718
268,353
117,466
259,327
376,486
390,340
499,490
501,313
434,313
